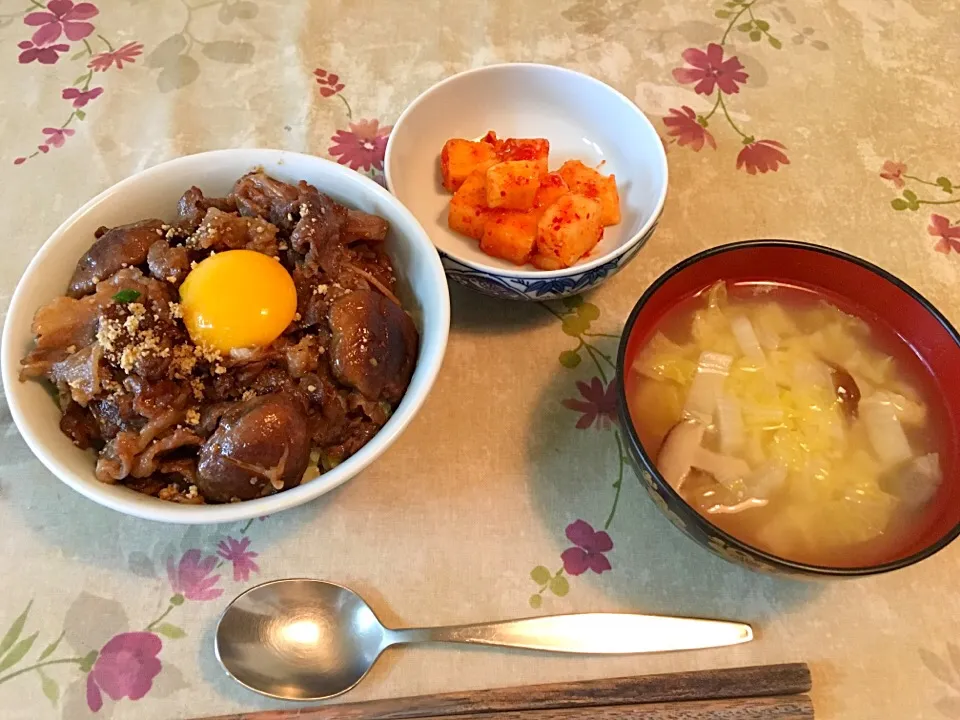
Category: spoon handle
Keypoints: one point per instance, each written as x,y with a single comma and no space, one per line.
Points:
591,633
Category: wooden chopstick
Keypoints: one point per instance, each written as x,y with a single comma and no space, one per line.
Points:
759,690
786,707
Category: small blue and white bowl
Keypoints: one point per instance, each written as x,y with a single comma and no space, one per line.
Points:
582,118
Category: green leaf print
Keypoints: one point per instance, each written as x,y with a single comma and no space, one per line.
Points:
559,585
170,631
13,634
18,652
540,575
49,687
569,359
52,647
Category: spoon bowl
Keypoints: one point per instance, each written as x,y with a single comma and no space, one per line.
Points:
310,640
299,639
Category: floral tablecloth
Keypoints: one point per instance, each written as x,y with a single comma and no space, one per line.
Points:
834,122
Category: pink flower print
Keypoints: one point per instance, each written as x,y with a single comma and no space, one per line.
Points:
56,136
242,559
192,579
81,97
64,18
588,551
329,83
949,234
598,406
683,125
763,156
362,146
125,54
43,55
893,171
125,667
709,70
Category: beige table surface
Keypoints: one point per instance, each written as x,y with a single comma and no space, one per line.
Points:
512,447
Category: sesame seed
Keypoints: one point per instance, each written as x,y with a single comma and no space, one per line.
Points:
312,388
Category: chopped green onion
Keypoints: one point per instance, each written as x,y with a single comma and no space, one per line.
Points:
126,296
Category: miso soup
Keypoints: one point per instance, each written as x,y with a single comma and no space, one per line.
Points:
798,428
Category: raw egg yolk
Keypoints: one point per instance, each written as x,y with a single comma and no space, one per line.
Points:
237,299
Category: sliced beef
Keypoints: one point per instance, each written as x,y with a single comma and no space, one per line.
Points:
169,264
114,414
118,458
318,233
58,326
223,231
81,373
258,195
81,427
153,399
359,225
302,357
148,462
193,206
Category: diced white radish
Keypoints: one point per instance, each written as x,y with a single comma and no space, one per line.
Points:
908,411
769,338
766,479
712,369
886,435
747,339
728,471
916,482
729,421
812,373
768,418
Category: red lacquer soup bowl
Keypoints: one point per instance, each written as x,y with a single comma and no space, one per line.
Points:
855,286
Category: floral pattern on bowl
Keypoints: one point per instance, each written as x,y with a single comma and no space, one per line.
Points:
538,289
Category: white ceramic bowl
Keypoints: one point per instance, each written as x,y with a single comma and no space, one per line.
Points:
154,193
581,117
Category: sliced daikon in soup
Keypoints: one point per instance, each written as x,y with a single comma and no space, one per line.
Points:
792,424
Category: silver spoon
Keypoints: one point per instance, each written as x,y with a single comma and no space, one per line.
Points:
309,639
